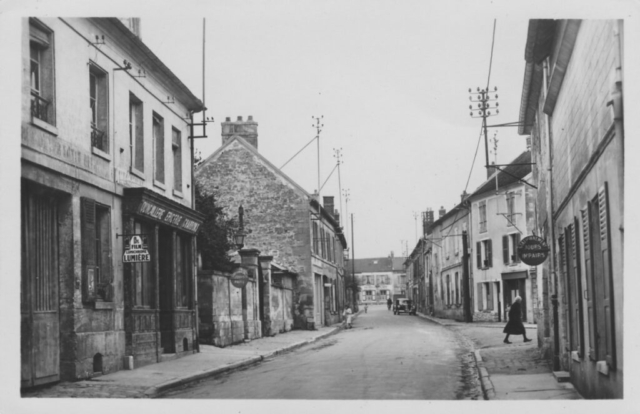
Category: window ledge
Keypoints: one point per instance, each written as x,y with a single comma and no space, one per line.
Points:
100,153
45,126
178,194
103,305
602,367
137,173
159,184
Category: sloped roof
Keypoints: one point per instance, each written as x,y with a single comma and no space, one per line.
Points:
509,175
378,264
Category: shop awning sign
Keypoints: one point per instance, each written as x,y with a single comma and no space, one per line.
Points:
136,250
533,250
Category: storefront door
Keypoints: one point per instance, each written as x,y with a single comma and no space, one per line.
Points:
40,324
513,288
166,276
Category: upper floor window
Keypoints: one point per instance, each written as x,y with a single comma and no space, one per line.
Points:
136,133
315,237
483,254
510,208
158,141
510,248
41,72
176,146
483,216
99,105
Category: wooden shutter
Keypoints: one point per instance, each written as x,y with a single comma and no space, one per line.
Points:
607,277
479,254
489,253
516,242
590,293
578,310
505,249
479,296
88,239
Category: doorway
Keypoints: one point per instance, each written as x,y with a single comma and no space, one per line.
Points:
318,303
40,321
513,288
165,274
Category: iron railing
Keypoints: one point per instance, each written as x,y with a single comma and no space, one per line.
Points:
40,107
99,139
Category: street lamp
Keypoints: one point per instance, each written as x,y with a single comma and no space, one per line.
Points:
238,236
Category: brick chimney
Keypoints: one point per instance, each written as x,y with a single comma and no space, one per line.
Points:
327,203
248,130
441,212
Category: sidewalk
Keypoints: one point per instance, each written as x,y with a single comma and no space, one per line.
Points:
152,380
510,371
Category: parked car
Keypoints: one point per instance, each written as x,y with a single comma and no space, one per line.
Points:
402,305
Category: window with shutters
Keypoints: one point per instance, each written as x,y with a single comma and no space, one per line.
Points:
176,147
41,72
484,254
489,296
575,286
483,216
590,293
510,248
158,142
602,278
136,135
99,108
97,284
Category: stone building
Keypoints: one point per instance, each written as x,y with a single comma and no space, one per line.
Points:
302,236
572,107
377,278
91,179
502,213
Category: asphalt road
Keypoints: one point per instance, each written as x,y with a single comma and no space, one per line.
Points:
383,357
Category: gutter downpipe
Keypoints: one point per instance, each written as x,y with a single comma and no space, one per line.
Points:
554,276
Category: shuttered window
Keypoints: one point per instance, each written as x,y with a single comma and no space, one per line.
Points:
590,292
505,249
576,294
97,273
176,146
158,140
41,72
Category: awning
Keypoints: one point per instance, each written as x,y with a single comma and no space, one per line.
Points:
162,210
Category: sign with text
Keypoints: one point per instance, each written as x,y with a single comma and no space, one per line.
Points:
239,278
136,250
533,250
170,217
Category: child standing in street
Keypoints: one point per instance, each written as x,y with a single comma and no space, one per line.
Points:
347,313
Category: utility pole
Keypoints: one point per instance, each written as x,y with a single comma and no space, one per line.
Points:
353,269
415,219
484,101
465,278
495,155
337,153
318,128
347,197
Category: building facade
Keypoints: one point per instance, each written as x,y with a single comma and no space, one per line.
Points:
379,279
502,214
572,107
102,188
302,236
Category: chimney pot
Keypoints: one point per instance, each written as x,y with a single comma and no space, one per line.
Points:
250,118
228,119
239,118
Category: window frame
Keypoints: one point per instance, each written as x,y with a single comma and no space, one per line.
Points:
159,153
136,139
99,117
176,151
42,100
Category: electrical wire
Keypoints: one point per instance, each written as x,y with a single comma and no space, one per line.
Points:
299,152
491,59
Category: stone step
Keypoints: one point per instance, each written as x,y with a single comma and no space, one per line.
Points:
562,376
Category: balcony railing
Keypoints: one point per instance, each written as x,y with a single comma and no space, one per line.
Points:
99,139
40,107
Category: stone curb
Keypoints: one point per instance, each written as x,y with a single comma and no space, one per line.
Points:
157,390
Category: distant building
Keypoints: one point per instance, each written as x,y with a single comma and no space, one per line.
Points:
91,177
572,107
302,236
380,278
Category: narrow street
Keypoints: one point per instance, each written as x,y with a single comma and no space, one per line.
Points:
382,357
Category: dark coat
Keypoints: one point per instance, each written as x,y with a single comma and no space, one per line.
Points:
515,326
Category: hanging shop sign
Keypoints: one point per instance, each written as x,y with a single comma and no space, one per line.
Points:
533,250
239,278
136,249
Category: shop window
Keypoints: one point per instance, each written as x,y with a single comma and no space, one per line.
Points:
41,72
99,105
158,142
182,271
176,147
142,273
136,134
96,252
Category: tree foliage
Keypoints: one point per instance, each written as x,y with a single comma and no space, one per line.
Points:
214,238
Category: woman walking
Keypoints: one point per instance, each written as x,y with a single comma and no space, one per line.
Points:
515,325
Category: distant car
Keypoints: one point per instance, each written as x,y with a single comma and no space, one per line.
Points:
403,305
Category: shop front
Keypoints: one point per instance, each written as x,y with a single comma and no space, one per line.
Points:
159,276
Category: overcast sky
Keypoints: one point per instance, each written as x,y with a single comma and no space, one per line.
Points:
391,79
391,82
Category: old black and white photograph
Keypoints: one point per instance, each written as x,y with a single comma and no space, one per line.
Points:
348,206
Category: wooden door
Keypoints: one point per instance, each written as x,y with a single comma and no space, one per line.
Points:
40,325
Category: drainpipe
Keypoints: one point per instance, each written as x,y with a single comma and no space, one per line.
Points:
554,276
